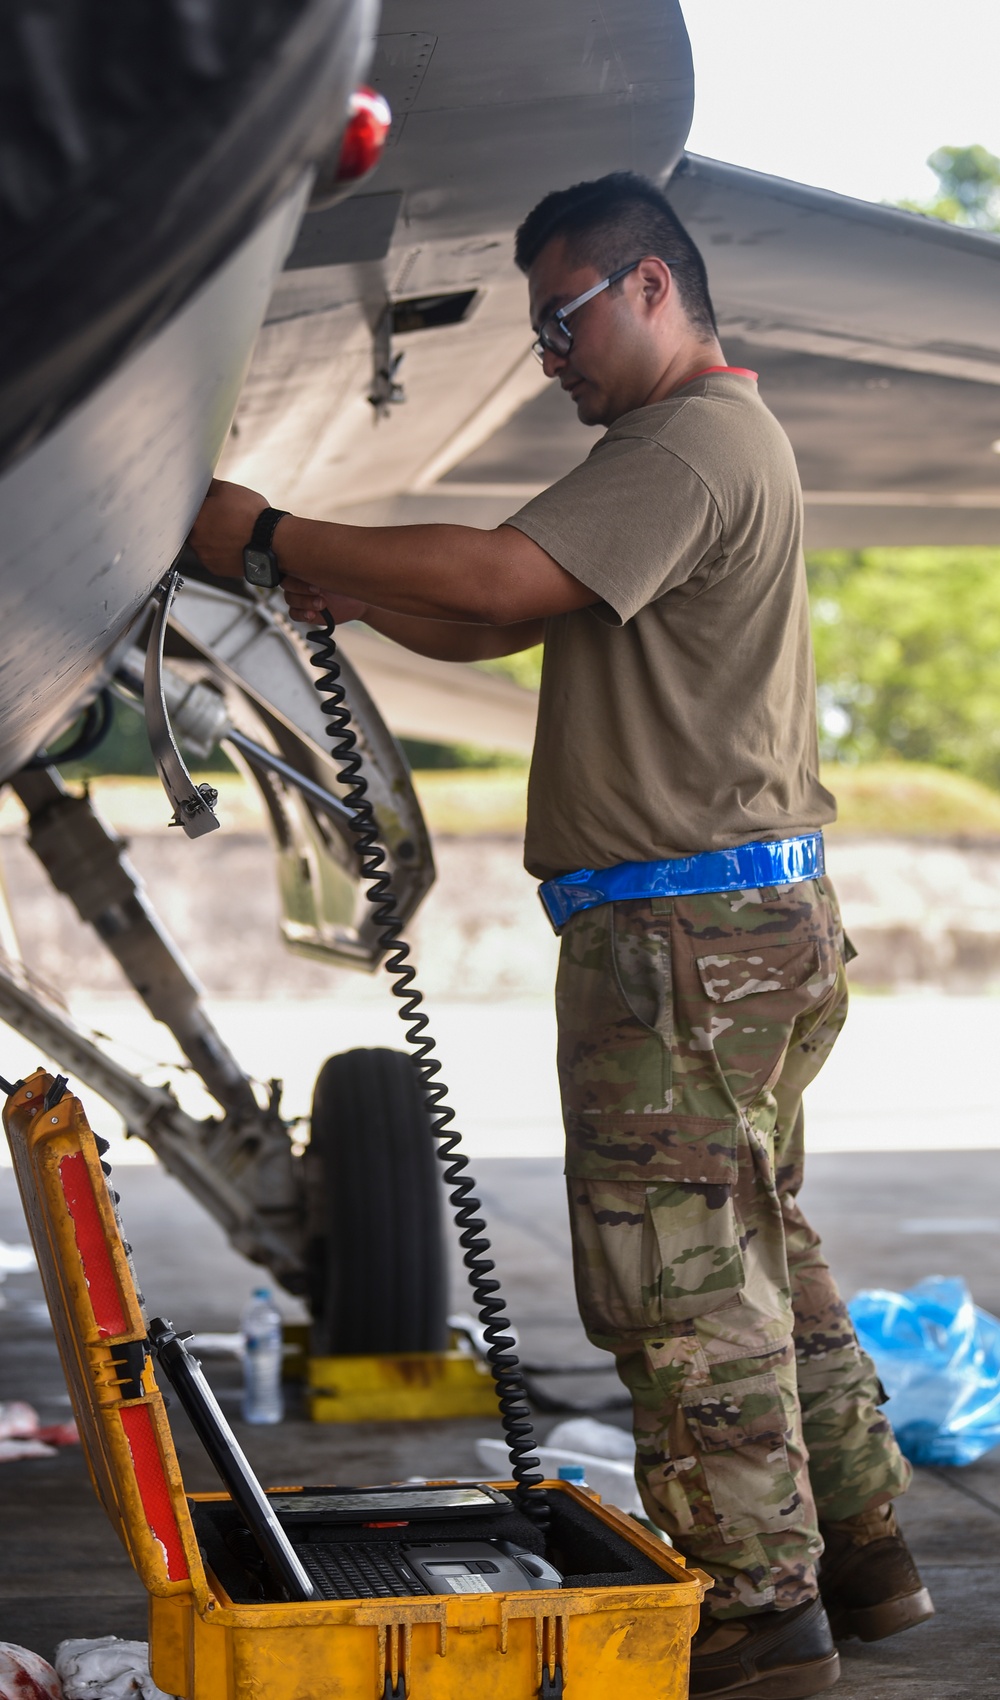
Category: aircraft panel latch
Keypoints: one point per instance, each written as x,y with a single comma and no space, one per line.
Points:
193,805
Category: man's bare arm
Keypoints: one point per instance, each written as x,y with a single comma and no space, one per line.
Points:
435,572
452,640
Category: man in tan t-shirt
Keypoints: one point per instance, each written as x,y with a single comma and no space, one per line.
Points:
674,815
682,717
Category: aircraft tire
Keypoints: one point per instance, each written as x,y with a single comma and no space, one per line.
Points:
375,1252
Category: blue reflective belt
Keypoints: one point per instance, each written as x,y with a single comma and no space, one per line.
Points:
745,866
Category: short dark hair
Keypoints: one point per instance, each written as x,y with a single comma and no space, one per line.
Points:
615,219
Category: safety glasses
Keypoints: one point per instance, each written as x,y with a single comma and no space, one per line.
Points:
555,336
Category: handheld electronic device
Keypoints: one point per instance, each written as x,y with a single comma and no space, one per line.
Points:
402,1504
480,1567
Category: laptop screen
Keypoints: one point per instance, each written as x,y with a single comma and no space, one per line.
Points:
188,1381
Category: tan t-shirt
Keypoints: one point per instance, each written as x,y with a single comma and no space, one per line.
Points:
679,714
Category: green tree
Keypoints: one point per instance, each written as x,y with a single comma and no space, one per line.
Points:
524,667
907,644
968,188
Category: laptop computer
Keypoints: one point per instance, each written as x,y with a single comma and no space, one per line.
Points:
289,1527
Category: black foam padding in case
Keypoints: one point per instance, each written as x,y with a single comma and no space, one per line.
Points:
589,1554
242,1572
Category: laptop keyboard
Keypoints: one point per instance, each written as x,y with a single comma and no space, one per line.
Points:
347,1572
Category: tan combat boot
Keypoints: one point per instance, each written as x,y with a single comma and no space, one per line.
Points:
868,1581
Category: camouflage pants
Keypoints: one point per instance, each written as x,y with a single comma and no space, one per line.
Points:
688,1029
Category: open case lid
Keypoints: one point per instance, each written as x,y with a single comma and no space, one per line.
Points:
101,1331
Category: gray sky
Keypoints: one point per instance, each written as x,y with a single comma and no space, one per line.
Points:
850,95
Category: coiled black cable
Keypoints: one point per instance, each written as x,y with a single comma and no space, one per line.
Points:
515,1415
98,719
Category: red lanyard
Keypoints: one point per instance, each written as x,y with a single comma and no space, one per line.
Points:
740,371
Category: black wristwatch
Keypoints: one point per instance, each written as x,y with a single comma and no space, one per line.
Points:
260,563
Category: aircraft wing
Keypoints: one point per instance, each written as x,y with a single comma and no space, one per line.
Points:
877,339
802,268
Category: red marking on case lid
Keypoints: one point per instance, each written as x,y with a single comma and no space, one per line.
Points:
91,1243
154,1489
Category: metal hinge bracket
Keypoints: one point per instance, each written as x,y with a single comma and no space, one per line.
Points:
193,805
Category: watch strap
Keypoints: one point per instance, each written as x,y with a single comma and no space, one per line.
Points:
264,527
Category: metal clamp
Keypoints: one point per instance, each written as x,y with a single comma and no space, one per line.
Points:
193,805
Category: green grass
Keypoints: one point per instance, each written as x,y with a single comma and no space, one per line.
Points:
464,802
909,800
880,799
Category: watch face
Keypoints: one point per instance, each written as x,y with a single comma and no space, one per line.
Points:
260,568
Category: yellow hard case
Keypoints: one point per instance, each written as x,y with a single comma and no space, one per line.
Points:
607,1643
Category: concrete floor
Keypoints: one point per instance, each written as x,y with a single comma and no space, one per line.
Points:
888,1218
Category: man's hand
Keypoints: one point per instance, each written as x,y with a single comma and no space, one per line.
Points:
223,527
306,603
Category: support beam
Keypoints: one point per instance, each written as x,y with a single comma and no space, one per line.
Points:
85,860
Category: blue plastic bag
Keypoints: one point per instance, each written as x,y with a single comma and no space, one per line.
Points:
938,1356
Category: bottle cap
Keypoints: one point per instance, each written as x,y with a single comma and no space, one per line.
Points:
262,1292
573,1473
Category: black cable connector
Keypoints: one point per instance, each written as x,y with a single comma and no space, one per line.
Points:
515,1415
98,719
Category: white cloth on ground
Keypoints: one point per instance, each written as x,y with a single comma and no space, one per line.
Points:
106,1669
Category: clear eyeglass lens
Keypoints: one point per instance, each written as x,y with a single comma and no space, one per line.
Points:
553,338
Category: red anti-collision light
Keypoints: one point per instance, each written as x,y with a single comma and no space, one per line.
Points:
364,138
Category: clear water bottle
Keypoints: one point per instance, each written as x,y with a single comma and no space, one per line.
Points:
263,1401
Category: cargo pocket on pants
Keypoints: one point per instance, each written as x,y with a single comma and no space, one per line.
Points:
753,1000
649,1257
739,1431
694,1242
